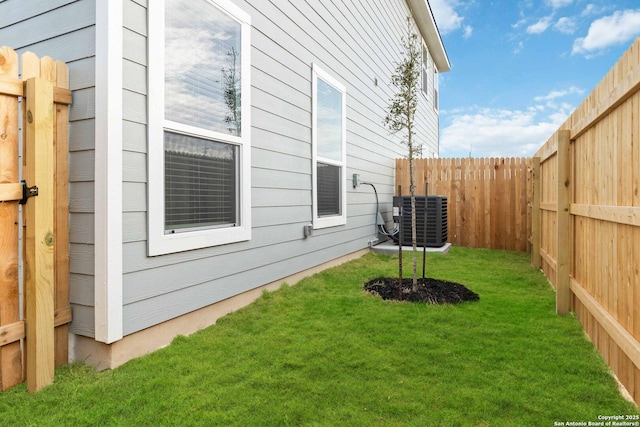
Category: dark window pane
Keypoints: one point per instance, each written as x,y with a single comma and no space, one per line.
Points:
328,190
200,183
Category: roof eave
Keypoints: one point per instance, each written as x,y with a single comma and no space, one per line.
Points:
426,23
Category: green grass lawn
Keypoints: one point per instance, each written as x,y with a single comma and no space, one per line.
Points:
324,353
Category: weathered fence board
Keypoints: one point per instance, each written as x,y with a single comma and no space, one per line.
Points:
488,199
590,236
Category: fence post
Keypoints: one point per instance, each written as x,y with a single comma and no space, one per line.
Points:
535,214
39,240
563,291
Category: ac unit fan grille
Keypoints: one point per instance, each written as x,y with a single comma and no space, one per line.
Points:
436,217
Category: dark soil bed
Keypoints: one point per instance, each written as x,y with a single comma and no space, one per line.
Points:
430,291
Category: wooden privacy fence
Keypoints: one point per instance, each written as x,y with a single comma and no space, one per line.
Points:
586,217
488,199
33,340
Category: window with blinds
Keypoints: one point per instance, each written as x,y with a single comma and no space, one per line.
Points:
329,148
328,190
202,95
200,183
199,155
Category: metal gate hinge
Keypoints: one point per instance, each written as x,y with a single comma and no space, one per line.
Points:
28,192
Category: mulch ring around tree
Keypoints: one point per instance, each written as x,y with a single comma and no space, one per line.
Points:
430,291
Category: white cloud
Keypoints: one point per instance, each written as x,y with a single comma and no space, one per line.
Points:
519,48
556,4
614,29
554,94
468,30
498,133
447,19
540,26
592,10
494,132
565,25
588,10
519,24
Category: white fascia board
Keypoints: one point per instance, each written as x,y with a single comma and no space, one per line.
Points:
108,172
426,22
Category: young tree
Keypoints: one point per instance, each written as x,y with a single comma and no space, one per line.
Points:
401,117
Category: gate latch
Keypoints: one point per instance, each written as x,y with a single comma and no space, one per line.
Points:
28,192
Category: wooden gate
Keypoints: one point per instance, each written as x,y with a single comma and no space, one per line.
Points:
34,331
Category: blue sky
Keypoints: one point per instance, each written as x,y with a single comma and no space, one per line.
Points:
520,67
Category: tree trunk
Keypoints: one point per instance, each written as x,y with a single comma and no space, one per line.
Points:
412,189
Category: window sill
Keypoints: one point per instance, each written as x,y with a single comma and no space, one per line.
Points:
163,244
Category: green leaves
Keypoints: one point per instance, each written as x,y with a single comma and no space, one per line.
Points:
406,78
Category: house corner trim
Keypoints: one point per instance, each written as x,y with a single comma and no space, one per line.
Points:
108,312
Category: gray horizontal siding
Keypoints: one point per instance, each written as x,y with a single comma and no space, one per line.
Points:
135,17
83,320
134,137
278,104
147,312
79,166
134,107
134,227
271,159
281,179
81,135
82,73
25,28
134,196
348,39
81,289
134,77
134,46
264,120
12,12
81,197
267,216
67,47
84,105
81,228
134,143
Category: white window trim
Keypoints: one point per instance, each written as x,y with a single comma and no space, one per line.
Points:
424,69
436,90
335,220
160,243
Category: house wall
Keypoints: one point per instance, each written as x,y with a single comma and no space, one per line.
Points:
356,41
428,131
349,41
